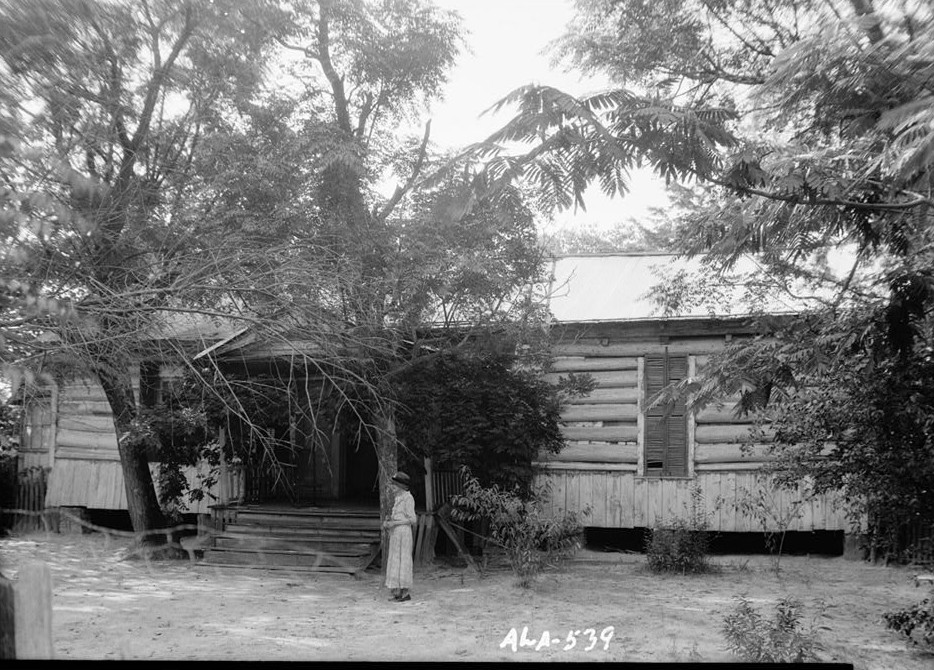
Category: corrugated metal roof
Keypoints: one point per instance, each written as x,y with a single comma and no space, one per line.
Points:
615,287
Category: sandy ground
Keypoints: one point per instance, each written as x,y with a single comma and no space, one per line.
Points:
108,607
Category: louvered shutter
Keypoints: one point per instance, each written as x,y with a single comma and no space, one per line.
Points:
665,425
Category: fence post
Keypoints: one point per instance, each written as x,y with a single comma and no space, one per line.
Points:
7,621
32,610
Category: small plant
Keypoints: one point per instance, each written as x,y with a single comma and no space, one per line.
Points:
916,623
681,545
781,639
773,518
531,539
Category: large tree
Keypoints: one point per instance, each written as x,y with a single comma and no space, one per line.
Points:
104,106
151,170
417,271
812,122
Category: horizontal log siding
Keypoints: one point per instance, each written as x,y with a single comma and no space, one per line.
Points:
85,425
595,453
601,427
593,348
582,364
87,470
620,499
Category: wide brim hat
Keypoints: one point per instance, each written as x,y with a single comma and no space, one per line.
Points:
401,479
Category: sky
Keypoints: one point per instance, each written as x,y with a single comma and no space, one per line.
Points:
506,39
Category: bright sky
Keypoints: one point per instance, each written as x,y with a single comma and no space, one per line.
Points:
506,39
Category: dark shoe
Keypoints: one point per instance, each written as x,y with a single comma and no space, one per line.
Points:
404,598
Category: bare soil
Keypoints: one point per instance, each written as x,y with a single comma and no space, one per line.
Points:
109,606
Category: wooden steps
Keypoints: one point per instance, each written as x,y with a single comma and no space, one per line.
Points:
312,539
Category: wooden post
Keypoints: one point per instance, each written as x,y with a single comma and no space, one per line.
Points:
7,620
223,486
26,614
33,611
429,486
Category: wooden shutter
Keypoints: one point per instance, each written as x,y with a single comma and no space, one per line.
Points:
666,429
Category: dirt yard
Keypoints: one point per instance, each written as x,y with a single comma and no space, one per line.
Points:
108,607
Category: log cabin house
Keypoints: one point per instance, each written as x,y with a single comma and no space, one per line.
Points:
68,444
632,466
635,466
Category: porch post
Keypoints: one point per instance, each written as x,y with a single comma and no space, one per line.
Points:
429,487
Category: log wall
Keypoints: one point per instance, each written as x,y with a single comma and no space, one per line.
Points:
80,446
602,463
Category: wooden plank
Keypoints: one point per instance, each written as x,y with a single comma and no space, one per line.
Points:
624,485
703,483
80,407
117,488
583,364
7,619
558,483
745,482
655,514
73,438
594,453
607,379
573,491
86,423
640,503
731,453
619,433
717,414
587,496
83,391
76,454
728,491
719,433
570,466
446,527
602,412
419,537
614,505
715,488
607,396
544,481
818,520
699,345
727,467
32,598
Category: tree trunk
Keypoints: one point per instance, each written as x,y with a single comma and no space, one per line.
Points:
386,453
142,503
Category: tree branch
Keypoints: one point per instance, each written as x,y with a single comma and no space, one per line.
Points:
324,57
401,190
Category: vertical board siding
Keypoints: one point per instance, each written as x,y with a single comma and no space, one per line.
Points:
623,500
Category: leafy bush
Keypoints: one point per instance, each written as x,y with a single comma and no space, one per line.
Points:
677,547
916,623
531,539
681,545
486,411
10,424
781,639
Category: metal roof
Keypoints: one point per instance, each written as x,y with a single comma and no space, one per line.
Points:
615,287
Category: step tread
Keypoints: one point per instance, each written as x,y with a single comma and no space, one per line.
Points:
348,549
364,549
292,568
257,529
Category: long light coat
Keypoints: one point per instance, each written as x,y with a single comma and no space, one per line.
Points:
399,561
